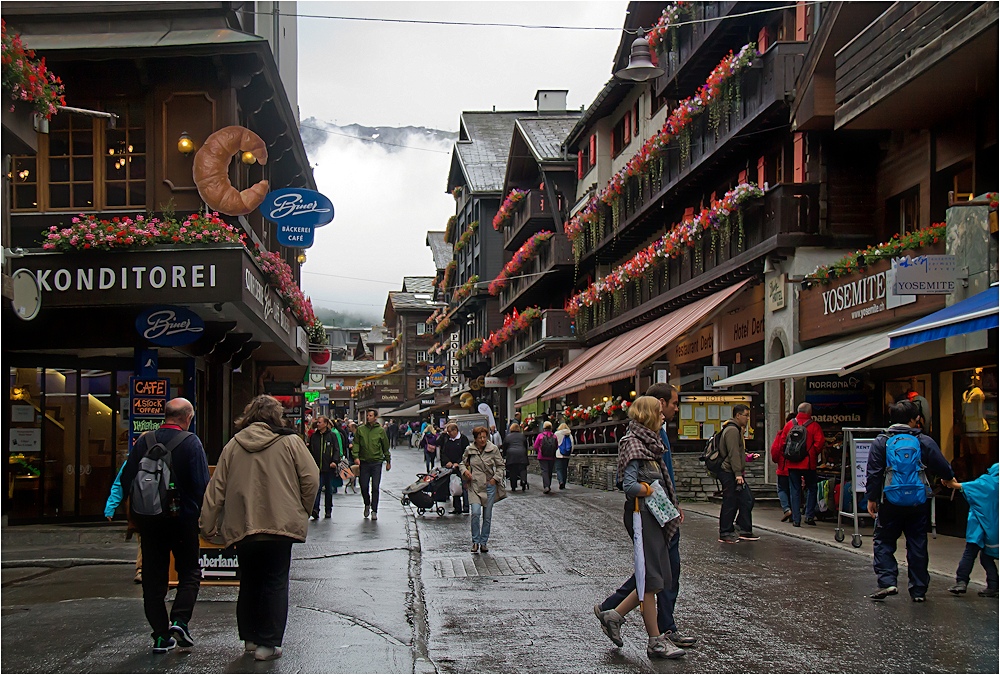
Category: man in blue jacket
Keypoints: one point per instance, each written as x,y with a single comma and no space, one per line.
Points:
666,599
177,533
892,520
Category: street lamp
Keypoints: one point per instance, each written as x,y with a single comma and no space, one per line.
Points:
640,62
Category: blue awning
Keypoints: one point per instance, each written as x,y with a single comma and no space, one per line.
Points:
976,313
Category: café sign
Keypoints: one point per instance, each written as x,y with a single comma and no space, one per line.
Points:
297,212
169,326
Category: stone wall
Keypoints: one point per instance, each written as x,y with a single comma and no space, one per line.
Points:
693,482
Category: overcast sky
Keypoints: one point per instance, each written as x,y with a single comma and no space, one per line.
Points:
382,74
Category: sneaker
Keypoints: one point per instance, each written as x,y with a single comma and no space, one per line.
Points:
374,515
788,516
182,635
918,598
794,524
562,486
327,515
368,511
745,536
263,653
988,593
547,490
137,579
483,549
959,588
162,645
883,593
811,521
729,538
455,512
475,548
249,646
662,648
611,624
314,516
679,639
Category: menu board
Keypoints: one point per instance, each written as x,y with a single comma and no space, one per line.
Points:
147,404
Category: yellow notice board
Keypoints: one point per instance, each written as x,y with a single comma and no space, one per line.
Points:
701,415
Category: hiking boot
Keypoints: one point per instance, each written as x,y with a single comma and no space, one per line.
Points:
811,521
662,648
368,511
611,624
729,538
679,639
182,635
883,593
162,645
475,548
988,593
959,588
483,549
263,653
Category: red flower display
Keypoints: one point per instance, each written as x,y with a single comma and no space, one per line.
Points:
507,208
28,79
513,324
521,257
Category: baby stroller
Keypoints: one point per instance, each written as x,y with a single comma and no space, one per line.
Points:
429,491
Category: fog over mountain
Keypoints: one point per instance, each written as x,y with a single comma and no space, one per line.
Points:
387,185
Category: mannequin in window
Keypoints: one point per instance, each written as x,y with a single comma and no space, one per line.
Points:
972,406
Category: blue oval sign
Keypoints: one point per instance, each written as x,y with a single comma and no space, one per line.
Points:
169,326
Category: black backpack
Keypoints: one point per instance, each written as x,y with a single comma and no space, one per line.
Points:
549,446
713,456
795,442
152,492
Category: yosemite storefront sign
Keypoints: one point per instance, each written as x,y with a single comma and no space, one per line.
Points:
858,301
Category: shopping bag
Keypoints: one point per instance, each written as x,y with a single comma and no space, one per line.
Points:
660,506
455,485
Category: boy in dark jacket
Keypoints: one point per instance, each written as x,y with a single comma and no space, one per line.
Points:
892,520
452,444
327,447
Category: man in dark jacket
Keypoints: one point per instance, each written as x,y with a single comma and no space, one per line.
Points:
452,447
737,501
805,468
892,520
327,448
166,534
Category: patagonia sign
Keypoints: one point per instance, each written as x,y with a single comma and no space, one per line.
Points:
169,326
296,212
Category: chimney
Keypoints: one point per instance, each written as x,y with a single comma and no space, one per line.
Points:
551,100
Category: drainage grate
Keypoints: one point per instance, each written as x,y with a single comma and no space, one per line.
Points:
486,566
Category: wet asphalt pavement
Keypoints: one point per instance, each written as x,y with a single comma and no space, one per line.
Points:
405,594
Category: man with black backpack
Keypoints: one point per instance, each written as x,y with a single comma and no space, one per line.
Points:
165,477
737,500
801,442
897,490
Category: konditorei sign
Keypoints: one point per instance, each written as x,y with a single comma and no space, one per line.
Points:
297,212
859,301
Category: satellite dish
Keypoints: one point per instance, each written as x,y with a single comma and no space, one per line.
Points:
27,296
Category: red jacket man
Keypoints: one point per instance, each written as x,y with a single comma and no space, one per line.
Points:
804,468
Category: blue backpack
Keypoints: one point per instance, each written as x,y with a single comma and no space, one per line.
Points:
905,480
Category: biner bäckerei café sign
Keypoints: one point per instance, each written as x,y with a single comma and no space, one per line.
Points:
296,212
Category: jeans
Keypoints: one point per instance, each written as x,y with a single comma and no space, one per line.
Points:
325,485
783,498
795,477
988,562
159,539
481,536
371,473
262,606
429,461
546,465
562,468
666,599
891,522
737,505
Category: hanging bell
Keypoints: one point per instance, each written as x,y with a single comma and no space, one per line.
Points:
640,63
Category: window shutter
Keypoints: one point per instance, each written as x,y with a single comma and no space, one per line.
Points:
761,173
743,176
628,127
593,149
799,158
635,119
611,137
579,165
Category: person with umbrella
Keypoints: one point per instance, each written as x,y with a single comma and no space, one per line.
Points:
639,466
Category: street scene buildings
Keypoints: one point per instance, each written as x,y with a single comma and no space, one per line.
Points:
782,207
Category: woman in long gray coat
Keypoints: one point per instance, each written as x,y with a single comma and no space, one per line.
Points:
483,469
515,452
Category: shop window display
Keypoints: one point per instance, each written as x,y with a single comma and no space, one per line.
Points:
974,420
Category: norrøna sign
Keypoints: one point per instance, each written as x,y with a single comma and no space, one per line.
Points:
297,213
169,326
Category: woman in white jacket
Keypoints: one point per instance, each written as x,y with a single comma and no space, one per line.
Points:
565,439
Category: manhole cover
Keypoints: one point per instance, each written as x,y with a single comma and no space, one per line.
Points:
486,566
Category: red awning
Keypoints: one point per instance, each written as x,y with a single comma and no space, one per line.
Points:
622,356
558,376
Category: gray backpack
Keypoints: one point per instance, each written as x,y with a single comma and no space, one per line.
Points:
153,492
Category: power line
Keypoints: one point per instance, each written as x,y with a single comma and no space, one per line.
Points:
374,140
338,276
345,302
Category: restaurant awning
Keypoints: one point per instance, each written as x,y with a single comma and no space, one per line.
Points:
622,356
529,393
835,358
968,316
411,411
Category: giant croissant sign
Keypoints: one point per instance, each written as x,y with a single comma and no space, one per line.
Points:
297,213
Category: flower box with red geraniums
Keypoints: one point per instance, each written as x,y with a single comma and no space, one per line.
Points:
849,264
28,79
520,258
466,237
506,210
465,290
513,324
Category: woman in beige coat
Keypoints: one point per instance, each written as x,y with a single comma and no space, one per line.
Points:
259,499
483,469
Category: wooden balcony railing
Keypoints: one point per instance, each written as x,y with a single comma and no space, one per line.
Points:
784,210
532,215
691,51
763,91
555,326
540,276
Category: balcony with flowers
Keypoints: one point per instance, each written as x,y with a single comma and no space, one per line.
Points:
528,213
543,263
530,335
743,94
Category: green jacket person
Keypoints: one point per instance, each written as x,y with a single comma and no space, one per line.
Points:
371,448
